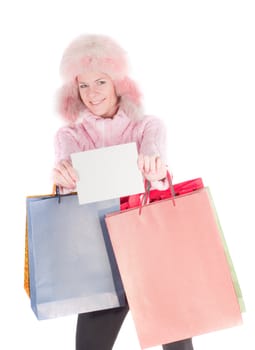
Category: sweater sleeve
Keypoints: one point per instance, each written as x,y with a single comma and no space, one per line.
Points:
153,142
153,138
66,143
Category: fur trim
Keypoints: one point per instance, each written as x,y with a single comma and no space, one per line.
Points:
94,52
130,98
127,87
69,104
133,111
98,53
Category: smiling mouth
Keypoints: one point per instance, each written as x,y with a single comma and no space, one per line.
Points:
95,103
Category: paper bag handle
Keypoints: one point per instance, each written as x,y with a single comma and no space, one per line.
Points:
146,194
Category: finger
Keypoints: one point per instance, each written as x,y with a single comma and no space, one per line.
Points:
59,179
140,162
62,166
66,169
152,164
65,174
62,180
146,167
67,165
73,173
161,168
159,164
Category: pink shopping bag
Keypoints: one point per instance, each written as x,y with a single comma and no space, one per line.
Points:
174,269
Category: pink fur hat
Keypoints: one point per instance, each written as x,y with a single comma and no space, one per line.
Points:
99,53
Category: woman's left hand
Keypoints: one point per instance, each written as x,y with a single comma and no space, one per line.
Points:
152,167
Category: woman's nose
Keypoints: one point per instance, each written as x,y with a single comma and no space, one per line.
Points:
92,92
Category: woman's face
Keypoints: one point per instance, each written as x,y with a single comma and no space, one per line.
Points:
98,94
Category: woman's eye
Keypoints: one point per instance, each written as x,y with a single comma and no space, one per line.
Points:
101,82
82,86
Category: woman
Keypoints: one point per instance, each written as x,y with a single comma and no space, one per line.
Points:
103,108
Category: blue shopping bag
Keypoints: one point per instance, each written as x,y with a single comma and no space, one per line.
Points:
72,268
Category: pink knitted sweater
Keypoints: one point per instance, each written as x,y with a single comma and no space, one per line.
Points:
93,132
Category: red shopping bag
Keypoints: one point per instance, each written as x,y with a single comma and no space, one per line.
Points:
184,187
174,269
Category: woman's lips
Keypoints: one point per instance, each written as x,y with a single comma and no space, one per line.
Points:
95,103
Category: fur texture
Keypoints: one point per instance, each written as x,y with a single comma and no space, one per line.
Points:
99,53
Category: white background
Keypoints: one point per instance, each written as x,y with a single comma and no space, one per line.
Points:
194,61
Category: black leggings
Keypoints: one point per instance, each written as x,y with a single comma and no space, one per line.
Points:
98,331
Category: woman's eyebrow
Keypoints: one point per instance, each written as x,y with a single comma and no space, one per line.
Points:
100,79
83,82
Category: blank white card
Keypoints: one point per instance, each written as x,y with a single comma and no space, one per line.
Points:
106,173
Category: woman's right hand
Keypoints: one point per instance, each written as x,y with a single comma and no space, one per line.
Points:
64,175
